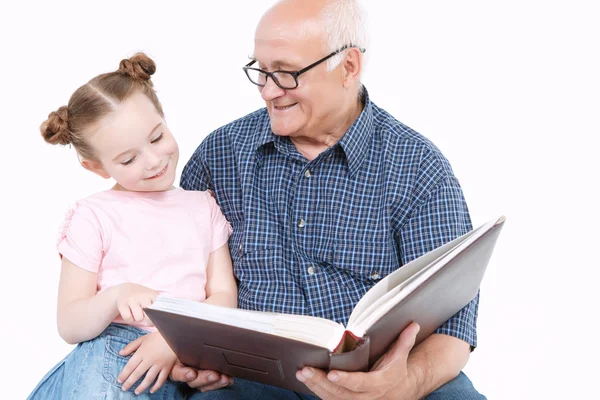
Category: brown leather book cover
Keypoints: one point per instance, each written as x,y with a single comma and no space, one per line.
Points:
435,300
248,354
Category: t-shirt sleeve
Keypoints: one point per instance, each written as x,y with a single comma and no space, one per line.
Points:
221,229
80,238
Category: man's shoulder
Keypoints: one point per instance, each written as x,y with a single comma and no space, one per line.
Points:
404,143
224,145
397,132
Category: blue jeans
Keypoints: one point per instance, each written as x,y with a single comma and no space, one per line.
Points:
460,388
90,372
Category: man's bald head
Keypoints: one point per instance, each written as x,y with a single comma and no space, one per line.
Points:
327,23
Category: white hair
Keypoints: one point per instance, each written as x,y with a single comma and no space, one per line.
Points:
343,22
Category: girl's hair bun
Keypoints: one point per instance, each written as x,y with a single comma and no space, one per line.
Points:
55,130
140,67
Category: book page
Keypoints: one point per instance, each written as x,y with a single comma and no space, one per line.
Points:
314,330
447,252
390,285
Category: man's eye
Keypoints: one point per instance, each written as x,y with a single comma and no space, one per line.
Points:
128,161
158,138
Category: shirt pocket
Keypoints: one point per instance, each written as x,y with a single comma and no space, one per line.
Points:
369,261
259,262
258,276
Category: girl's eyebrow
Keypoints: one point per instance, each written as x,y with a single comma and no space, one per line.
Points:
127,151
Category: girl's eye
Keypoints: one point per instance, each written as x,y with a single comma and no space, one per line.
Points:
128,161
158,138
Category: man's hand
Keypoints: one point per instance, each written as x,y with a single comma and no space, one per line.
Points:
152,357
202,380
132,299
389,378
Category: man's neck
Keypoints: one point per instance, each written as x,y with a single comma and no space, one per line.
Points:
311,147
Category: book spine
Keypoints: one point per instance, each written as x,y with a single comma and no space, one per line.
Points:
353,360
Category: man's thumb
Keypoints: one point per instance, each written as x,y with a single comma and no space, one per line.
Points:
400,348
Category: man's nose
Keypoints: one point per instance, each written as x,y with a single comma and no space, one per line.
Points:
271,91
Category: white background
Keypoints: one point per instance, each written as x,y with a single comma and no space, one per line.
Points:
509,91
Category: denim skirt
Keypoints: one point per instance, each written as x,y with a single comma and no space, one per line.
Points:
90,371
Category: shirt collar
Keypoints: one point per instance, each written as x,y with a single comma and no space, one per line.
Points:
354,142
265,134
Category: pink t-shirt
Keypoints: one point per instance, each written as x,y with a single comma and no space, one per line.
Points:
160,240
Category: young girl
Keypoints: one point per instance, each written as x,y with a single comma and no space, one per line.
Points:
122,247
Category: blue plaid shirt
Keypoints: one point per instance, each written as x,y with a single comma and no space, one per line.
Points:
312,237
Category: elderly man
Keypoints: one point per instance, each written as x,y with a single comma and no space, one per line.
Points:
327,193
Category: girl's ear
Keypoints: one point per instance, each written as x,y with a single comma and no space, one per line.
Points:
95,167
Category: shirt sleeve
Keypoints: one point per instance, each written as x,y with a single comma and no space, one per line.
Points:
221,229
195,174
441,216
80,238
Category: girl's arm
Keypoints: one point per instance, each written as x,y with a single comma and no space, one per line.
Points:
221,288
83,314
153,356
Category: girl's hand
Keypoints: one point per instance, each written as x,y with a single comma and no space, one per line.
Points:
152,357
131,300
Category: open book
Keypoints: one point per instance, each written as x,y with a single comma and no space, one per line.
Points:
270,347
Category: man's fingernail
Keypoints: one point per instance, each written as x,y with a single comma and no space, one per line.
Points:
308,372
190,375
333,377
300,377
212,378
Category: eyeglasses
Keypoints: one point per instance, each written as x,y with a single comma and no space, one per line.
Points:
286,79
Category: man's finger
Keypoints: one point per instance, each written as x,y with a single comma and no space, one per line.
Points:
204,378
354,381
316,380
221,383
181,373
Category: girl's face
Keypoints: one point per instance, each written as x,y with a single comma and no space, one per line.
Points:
134,146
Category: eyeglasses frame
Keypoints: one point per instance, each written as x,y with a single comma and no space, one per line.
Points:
294,74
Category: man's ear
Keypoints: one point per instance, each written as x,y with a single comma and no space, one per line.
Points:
352,66
95,167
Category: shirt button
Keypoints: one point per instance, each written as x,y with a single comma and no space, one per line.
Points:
311,270
375,275
307,173
301,223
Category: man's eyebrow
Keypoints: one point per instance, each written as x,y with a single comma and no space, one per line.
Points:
128,150
280,64
276,63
